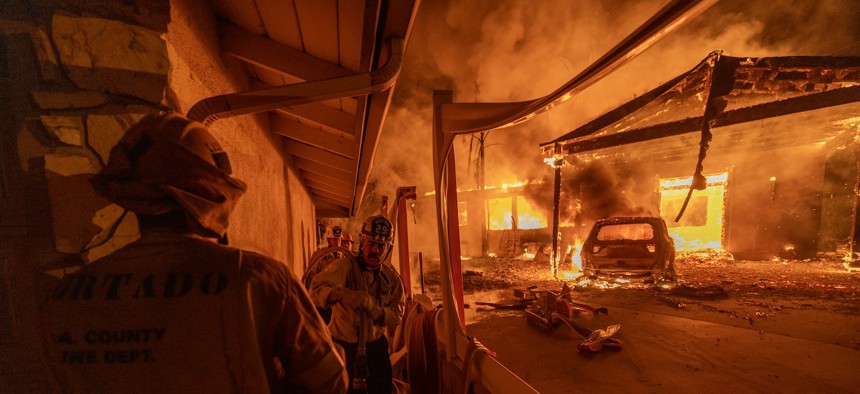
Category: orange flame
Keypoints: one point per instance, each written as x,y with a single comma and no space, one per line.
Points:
528,216
701,227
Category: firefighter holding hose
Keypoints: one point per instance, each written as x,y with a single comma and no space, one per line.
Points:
366,297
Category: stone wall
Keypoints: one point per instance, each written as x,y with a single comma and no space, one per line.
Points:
74,75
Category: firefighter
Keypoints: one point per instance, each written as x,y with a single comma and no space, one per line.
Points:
321,259
334,239
366,297
176,311
346,240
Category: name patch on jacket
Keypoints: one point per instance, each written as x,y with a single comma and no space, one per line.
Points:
125,286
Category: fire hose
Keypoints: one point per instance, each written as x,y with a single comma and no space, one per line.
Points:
318,262
423,360
361,372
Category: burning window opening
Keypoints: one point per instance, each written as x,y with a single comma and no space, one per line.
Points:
504,210
701,227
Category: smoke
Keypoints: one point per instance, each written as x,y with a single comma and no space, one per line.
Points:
508,50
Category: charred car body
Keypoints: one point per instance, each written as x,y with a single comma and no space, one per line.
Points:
629,247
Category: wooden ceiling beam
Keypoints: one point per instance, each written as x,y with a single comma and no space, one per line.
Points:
330,201
323,116
340,189
342,144
320,114
320,176
328,205
331,213
333,196
272,55
335,175
318,155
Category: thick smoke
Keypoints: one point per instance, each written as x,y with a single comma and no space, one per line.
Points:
509,50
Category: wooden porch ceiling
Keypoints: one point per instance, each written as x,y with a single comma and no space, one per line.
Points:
281,42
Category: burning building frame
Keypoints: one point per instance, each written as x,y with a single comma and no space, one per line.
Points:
771,144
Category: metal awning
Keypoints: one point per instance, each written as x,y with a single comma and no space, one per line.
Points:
738,90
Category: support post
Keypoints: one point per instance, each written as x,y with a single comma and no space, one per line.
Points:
556,194
854,243
454,238
556,162
441,174
403,194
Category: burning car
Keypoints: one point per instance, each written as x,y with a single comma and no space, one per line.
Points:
629,247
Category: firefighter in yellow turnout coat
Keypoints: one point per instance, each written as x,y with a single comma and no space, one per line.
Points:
176,311
366,297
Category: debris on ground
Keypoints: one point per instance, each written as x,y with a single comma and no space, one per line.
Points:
550,309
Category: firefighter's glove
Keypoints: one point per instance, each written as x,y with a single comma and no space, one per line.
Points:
354,299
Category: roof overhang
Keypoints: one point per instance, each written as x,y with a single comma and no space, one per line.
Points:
324,72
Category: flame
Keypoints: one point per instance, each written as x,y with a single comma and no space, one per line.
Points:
528,255
501,214
528,216
848,263
702,224
576,259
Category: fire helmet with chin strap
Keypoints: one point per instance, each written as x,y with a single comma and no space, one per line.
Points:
377,229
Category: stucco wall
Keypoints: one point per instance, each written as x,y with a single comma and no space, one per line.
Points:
273,209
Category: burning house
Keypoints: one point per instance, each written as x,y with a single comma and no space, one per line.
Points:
776,178
754,156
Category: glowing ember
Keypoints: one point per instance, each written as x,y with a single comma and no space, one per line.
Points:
527,255
569,275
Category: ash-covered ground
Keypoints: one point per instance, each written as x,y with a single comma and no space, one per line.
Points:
768,286
743,326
